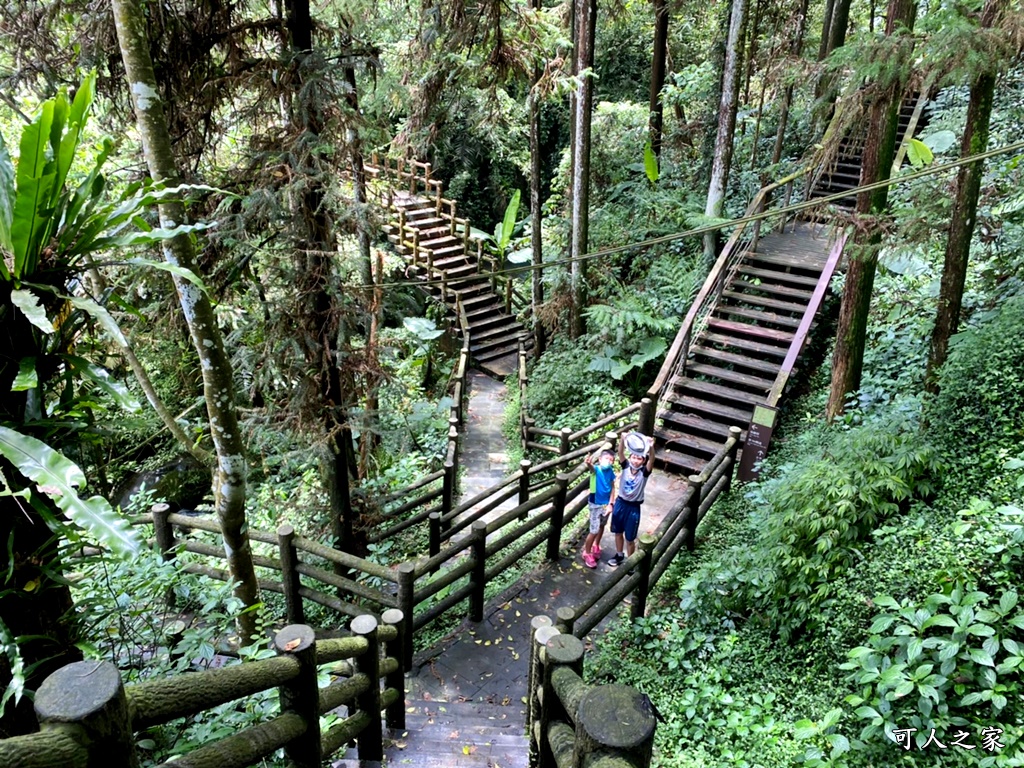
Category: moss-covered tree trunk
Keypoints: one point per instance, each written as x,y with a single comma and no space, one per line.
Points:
795,46
218,386
726,123
586,19
965,208
658,67
536,232
876,162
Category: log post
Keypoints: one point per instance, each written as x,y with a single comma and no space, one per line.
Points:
479,573
647,416
447,491
693,509
639,607
734,433
560,651
290,575
407,604
557,516
86,701
163,531
370,741
434,543
395,649
563,441
614,719
565,619
524,481
508,294
453,437
542,704
536,623
301,694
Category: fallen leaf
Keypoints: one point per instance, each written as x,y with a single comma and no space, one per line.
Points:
453,735
426,696
468,749
556,593
515,656
291,645
486,642
518,614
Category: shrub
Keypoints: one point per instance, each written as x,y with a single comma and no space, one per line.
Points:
564,393
979,410
826,507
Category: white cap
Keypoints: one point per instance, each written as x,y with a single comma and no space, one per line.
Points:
636,443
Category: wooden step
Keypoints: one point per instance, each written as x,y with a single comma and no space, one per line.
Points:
779,276
510,337
741,361
502,327
476,302
765,301
731,416
780,260
680,462
449,251
773,288
733,377
420,213
716,391
439,242
745,344
696,425
757,316
445,262
745,329
425,224
687,443
490,310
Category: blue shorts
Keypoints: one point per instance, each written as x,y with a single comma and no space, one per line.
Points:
626,518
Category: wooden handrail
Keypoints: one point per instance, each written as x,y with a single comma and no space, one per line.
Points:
800,337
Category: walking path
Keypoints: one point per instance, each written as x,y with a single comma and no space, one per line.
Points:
465,697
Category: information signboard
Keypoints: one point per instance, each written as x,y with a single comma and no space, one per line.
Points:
759,434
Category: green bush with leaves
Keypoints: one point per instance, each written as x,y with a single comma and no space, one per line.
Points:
825,508
979,410
564,392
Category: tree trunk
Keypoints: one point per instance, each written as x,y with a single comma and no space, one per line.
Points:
586,17
726,124
658,66
218,387
965,208
826,29
795,46
536,233
876,161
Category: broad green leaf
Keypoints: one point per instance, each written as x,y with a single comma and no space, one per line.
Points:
885,601
34,183
27,377
868,712
77,116
881,623
840,744
101,378
804,729
919,154
102,317
651,163
620,368
422,327
59,479
16,667
1007,602
521,256
509,221
602,364
174,269
7,197
28,303
980,656
939,141
150,237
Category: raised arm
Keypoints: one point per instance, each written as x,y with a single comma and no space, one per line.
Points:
650,453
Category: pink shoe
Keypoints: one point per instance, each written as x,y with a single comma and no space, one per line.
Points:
589,560
596,550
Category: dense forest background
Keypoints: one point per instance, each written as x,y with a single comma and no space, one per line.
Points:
253,323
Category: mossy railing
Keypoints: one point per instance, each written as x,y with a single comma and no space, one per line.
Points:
88,717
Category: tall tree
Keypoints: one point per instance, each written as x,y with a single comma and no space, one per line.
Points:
726,122
795,47
585,23
876,162
536,232
658,66
965,208
218,386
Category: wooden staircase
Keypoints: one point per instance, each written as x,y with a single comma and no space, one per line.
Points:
735,359
440,251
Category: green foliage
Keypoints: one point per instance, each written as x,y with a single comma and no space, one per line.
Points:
822,513
564,392
951,661
979,410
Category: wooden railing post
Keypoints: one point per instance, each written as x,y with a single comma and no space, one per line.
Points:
453,439
301,694
508,294
524,480
643,588
86,701
540,705
290,575
563,441
647,414
395,649
434,539
559,651
565,619
557,515
734,434
369,742
629,735
163,531
536,623
447,490
693,509
407,604
479,574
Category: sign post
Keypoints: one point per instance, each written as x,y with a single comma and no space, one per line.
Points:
759,434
